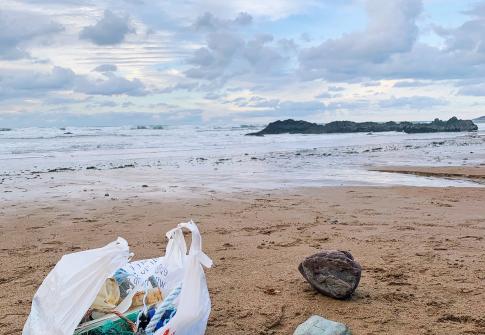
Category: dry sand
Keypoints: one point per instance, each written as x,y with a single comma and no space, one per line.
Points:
422,251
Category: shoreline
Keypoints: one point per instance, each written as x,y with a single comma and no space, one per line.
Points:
421,250
474,173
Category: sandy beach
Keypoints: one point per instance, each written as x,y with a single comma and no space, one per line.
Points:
422,251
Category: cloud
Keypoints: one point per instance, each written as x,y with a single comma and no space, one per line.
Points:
477,90
411,83
28,83
468,36
324,95
413,102
110,84
209,22
111,29
257,106
348,105
106,68
18,29
392,29
18,83
371,83
229,55
336,89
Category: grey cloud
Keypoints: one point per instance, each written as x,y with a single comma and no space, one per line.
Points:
410,83
21,83
109,30
261,57
17,29
388,49
213,61
336,88
468,36
214,96
127,104
208,21
187,86
110,85
105,103
413,102
228,55
391,30
106,68
348,105
323,95
477,90
287,109
256,102
371,83
260,105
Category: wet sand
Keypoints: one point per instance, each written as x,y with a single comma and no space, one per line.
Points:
475,173
422,251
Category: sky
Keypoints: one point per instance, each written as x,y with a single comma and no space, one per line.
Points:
125,62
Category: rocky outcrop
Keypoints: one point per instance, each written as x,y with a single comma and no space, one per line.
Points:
303,127
291,127
333,273
452,125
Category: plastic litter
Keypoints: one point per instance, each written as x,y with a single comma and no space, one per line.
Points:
97,292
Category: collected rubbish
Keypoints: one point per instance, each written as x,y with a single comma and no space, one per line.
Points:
332,272
99,292
316,325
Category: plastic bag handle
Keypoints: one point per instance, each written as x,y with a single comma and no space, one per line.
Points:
176,240
176,246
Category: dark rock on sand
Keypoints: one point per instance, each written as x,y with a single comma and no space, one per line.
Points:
331,272
303,127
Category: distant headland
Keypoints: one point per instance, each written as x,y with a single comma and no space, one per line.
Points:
303,127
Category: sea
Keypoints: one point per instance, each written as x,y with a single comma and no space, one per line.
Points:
219,158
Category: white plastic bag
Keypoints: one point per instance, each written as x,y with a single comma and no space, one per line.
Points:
194,303
175,269
71,287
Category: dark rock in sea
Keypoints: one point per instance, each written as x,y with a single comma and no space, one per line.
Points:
5,129
333,273
303,127
291,127
62,169
452,125
67,133
157,127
